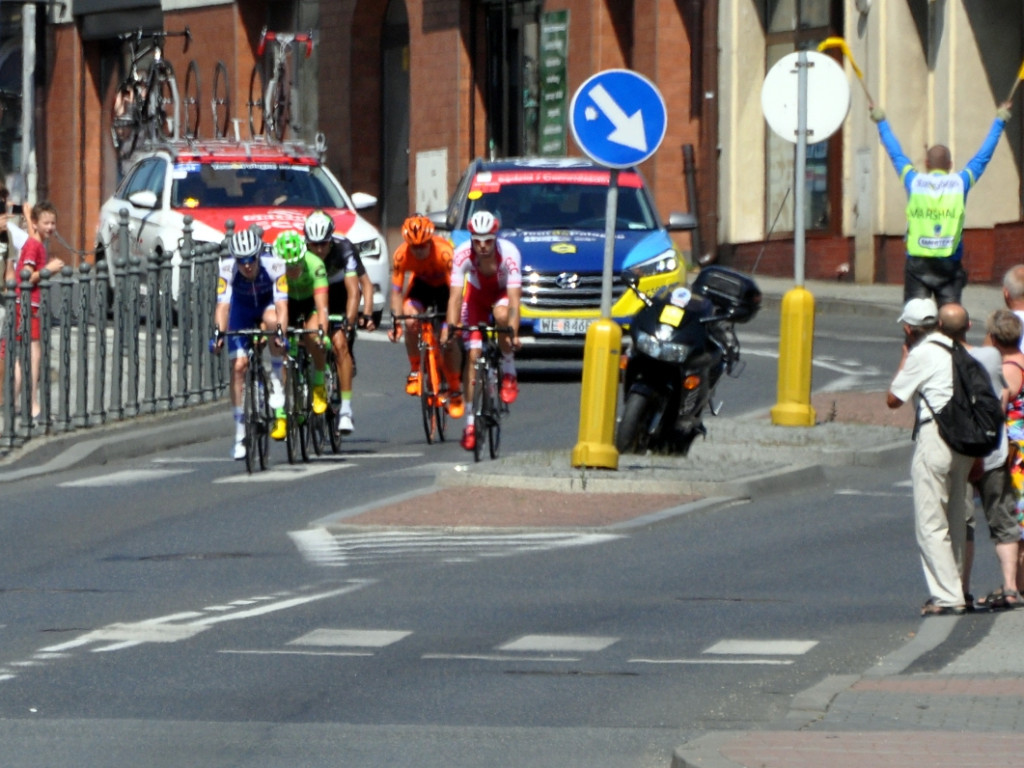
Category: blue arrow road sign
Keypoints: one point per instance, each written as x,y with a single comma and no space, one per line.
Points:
618,118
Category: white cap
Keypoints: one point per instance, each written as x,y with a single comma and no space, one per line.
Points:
919,312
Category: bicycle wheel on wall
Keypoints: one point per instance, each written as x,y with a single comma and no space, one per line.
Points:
257,111
191,101
220,104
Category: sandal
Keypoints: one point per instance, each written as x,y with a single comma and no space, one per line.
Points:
931,609
1001,599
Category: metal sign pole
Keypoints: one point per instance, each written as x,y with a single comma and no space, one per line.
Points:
610,214
799,222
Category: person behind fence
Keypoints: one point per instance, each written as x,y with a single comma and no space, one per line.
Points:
938,474
252,292
42,223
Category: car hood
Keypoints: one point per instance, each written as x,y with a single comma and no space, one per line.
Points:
580,249
274,221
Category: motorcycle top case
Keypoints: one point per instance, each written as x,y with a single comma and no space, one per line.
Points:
733,292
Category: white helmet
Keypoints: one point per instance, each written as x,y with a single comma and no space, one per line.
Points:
483,223
319,227
245,243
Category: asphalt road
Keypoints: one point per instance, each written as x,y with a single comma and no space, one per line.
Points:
158,611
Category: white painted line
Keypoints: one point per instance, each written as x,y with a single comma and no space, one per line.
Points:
297,653
97,635
283,473
359,638
762,647
190,460
874,494
124,477
771,662
558,643
493,657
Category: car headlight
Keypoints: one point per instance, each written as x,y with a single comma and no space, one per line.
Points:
663,264
370,249
661,350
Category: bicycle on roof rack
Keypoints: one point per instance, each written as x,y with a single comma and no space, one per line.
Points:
146,104
271,108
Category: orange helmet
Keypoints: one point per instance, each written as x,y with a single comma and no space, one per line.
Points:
418,229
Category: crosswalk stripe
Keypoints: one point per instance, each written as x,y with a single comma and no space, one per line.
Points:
283,473
320,546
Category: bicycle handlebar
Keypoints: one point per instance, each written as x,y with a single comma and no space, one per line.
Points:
285,39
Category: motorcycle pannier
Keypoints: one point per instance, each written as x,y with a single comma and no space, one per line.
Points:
733,292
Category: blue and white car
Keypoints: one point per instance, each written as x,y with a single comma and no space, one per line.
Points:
553,209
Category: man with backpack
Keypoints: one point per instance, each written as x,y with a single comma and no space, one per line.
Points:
938,473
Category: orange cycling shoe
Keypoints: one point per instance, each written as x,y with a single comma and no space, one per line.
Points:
412,384
456,405
469,437
509,389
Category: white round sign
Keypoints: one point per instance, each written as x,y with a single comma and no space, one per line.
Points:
828,96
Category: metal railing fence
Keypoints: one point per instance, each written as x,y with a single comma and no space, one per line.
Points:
114,347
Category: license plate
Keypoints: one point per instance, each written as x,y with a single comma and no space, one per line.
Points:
563,326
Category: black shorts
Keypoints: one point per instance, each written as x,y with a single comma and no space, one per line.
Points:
304,308
925,277
428,296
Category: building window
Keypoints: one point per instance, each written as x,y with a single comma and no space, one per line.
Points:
789,26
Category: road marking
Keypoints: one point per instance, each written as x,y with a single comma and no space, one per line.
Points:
360,638
769,662
321,547
879,494
762,647
297,653
283,473
494,657
124,477
558,643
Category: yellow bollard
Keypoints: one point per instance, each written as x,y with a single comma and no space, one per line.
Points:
596,446
796,342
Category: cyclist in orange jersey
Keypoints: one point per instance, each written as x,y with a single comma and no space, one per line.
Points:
420,274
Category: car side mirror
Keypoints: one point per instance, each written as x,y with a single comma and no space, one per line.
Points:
629,278
440,220
681,222
362,200
144,198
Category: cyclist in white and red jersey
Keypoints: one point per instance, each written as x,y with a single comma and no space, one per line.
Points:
486,287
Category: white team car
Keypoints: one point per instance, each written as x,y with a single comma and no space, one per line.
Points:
275,186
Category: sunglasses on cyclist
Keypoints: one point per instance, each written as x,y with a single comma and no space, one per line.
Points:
484,239
312,244
246,261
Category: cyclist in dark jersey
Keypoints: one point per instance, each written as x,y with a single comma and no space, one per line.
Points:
346,275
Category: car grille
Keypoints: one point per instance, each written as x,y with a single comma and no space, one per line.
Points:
565,290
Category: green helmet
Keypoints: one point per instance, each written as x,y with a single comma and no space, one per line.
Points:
290,246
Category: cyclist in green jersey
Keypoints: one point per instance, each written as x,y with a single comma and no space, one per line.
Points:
307,303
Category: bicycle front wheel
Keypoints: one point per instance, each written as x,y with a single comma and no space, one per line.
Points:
277,108
252,419
191,101
479,408
493,412
220,104
265,415
256,105
293,400
166,107
429,398
333,391
125,125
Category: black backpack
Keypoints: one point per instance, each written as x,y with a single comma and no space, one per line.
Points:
972,421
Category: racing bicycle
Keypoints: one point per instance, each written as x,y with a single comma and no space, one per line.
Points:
146,104
271,108
433,386
325,425
298,394
257,414
488,408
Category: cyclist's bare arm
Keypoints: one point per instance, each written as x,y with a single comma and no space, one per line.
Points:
366,290
352,299
454,312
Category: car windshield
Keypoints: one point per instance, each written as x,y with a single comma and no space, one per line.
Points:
550,200
237,185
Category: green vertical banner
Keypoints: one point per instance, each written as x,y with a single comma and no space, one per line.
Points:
554,95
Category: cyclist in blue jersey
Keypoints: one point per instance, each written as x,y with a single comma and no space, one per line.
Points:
252,292
936,203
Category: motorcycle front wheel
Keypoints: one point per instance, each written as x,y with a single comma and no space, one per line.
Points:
631,434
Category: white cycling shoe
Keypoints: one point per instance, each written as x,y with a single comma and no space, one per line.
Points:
239,451
345,424
276,394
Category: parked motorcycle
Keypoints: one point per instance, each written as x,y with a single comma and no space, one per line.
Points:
683,340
